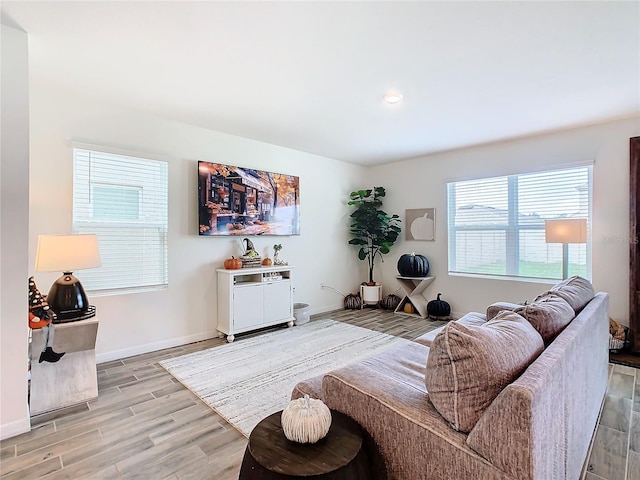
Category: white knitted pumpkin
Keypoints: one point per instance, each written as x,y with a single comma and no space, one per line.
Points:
306,420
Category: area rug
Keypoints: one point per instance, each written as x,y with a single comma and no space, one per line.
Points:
251,378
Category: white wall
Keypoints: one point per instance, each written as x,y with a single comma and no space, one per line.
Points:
14,231
421,183
130,324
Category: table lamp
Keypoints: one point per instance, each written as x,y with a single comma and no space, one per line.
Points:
68,253
565,231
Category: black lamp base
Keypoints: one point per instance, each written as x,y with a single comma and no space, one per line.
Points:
68,300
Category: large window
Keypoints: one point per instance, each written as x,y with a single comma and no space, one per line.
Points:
123,200
496,225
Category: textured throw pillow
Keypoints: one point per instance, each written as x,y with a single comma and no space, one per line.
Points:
549,314
497,307
576,291
468,366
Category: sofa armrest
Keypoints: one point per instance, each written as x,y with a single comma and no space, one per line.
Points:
310,386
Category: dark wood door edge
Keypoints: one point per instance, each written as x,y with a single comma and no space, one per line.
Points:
634,246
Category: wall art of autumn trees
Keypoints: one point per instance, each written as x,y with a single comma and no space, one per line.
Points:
243,201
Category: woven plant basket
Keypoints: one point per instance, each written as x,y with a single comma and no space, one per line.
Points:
618,336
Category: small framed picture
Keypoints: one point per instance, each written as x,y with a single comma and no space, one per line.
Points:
420,224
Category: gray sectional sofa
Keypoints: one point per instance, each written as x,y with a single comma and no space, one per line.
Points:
511,394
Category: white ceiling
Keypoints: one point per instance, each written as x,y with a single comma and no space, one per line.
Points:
311,75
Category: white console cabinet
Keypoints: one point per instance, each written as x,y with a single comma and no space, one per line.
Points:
252,298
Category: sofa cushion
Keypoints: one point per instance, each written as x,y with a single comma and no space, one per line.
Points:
549,314
468,366
471,318
576,291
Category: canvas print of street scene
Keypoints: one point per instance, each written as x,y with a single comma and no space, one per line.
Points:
241,201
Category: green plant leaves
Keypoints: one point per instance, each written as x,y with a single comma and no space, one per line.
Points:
372,228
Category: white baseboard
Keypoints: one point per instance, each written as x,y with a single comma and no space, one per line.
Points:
12,429
326,308
152,347
176,342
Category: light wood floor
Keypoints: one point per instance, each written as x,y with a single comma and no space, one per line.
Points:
145,425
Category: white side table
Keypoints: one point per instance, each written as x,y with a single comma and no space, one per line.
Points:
71,380
414,288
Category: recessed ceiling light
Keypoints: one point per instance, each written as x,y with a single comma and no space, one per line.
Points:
393,97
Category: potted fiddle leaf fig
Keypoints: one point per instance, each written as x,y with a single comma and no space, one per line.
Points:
372,229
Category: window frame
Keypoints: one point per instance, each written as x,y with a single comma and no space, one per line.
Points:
512,228
84,220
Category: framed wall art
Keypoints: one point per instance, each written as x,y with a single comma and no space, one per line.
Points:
243,201
420,224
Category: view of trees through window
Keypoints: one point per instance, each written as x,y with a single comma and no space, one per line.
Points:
497,225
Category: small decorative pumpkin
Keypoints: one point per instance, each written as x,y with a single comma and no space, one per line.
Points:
306,420
390,302
408,308
412,265
438,308
267,262
232,263
352,301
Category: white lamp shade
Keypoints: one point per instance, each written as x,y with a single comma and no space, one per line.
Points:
566,230
67,253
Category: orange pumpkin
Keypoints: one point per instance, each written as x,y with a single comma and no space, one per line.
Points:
408,308
232,263
267,262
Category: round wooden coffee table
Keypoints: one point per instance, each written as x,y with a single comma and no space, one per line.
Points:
341,455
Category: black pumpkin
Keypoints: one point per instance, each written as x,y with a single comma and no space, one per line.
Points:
352,301
438,308
412,265
390,302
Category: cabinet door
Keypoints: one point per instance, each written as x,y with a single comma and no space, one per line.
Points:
247,307
277,301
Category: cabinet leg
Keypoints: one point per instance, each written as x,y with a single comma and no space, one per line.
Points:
230,338
290,323
220,334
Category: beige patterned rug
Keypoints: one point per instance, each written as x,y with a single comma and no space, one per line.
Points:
251,378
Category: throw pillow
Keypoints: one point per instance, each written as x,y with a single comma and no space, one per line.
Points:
468,366
549,314
576,291
495,308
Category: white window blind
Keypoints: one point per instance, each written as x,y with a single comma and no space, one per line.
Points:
496,225
124,201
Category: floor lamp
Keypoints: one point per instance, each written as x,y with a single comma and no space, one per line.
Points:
565,231
66,254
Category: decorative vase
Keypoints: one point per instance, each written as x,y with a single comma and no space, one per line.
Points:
306,420
371,294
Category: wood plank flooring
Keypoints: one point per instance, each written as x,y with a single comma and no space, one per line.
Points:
146,425
615,453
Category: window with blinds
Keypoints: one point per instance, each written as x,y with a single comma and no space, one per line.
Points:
496,225
124,201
